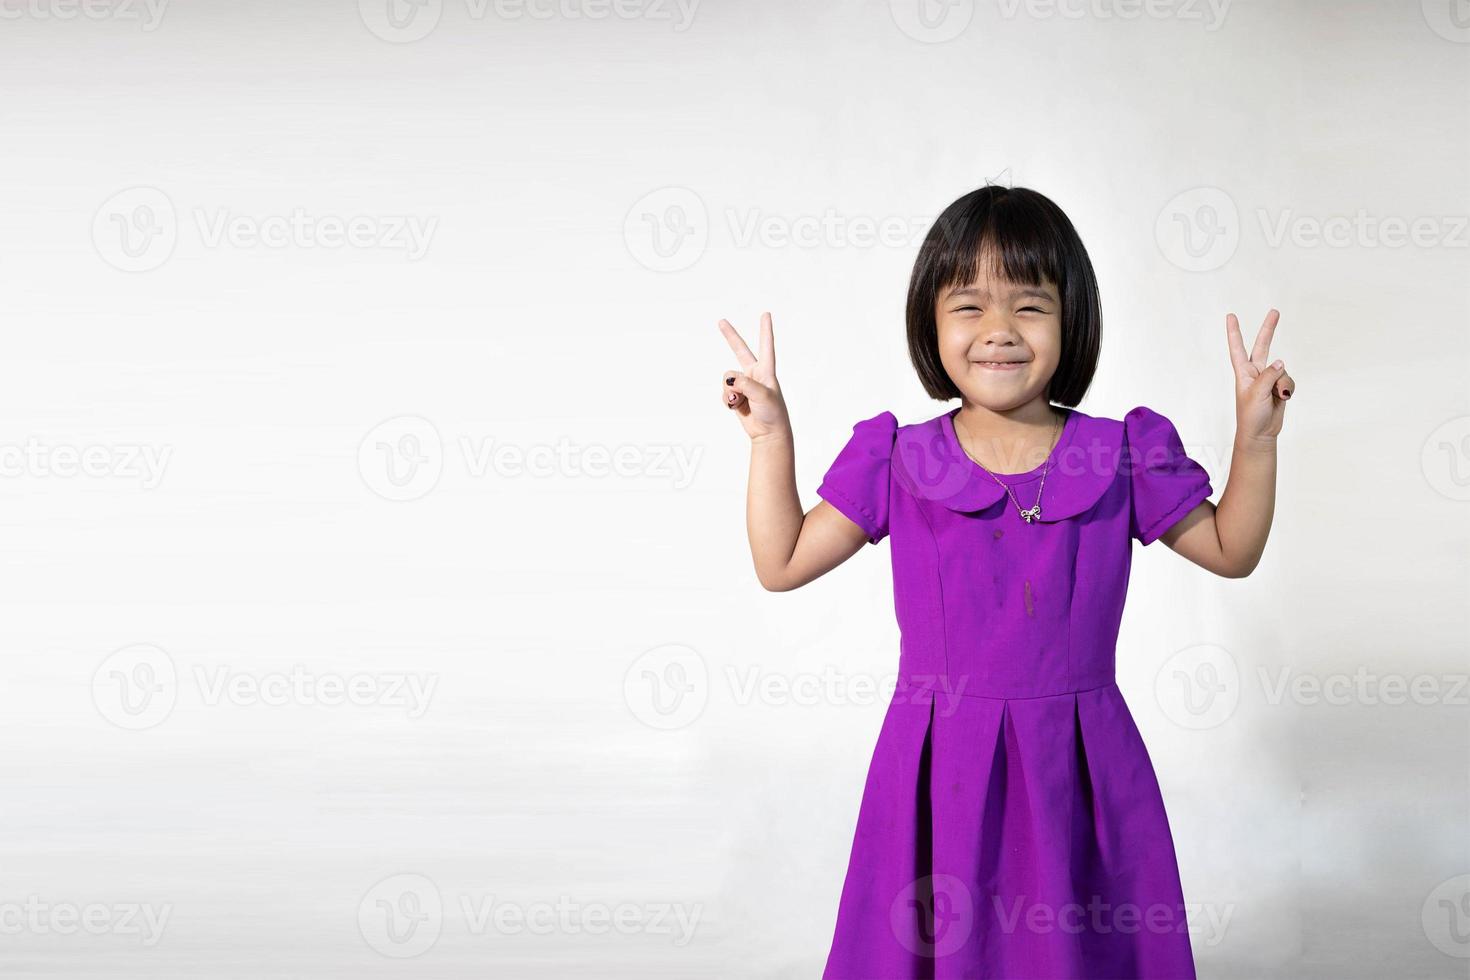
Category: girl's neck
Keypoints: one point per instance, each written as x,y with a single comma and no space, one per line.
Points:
1016,440
1035,415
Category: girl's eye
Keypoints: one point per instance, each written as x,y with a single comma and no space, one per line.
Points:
1033,309
964,308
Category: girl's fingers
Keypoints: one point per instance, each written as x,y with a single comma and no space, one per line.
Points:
1263,339
742,388
737,344
768,343
1266,385
749,388
1285,386
1238,357
729,394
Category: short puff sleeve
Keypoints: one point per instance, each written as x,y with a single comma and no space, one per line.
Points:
1166,483
857,482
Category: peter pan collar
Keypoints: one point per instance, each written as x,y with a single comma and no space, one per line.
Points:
931,464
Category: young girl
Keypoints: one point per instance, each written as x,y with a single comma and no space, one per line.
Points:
1011,825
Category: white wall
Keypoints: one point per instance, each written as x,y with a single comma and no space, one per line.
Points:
535,311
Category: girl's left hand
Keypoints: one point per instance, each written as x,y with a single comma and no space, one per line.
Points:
1261,388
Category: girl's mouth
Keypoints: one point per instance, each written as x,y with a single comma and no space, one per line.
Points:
1002,365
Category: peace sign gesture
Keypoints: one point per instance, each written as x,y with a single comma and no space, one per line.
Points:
1261,388
753,391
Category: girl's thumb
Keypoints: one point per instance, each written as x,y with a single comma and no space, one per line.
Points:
1267,379
744,384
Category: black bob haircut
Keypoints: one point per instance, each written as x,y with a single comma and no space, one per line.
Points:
1028,238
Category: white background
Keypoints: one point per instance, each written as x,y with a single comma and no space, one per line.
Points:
585,186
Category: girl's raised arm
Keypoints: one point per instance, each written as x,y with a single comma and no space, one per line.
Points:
1230,538
789,548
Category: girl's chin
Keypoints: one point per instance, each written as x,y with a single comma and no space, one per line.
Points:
998,397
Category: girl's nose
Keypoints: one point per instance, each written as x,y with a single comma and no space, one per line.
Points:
999,330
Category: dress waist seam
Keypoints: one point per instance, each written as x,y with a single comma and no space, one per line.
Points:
943,689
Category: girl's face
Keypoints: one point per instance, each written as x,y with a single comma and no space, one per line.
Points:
999,341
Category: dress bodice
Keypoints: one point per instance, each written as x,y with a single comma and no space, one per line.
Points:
988,604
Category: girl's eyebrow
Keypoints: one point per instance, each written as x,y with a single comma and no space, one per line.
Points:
1033,291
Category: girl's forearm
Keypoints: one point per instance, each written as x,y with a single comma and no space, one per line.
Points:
773,514
1243,516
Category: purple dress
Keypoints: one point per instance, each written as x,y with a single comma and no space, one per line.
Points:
1012,825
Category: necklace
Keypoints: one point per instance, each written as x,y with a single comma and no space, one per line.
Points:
1034,511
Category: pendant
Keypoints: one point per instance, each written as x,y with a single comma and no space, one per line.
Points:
1033,514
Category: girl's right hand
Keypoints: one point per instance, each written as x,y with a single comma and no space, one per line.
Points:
753,392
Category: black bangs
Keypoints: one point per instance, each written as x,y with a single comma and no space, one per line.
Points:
1026,238
1010,231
